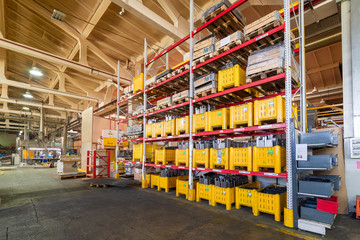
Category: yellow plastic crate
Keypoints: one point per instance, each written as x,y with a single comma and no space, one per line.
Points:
222,162
169,182
148,179
149,130
182,187
231,77
271,109
200,122
245,195
241,157
169,128
109,142
270,203
182,125
218,119
201,157
224,196
164,156
123,144
204,192
138,152
269,157
154,180
242,115
138,82
182,157
157,129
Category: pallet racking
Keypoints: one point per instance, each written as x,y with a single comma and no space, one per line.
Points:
186,77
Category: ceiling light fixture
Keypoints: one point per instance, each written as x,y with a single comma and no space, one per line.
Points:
25,108
58,15
28,95
122,11
322,101
35,71
72,131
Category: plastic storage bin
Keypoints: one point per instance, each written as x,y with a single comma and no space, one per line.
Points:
154,179
164,156
269,109
168,182
269,157
270,203
241,158
231,77
149,130
204,192
138,82
201,158
157,129
200,122
182,125
138,152
182,187
224,196
219,158
218,119
242,115
182,157
169,128
245,195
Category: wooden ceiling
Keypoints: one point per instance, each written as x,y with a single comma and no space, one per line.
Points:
119,37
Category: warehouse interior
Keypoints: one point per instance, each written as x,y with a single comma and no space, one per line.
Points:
245,124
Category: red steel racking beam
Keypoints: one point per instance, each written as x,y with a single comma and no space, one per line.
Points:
237,172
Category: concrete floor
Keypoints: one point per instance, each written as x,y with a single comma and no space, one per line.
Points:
37,205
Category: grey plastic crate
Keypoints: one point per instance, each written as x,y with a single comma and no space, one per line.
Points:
319,185
316,215
320,162
319,139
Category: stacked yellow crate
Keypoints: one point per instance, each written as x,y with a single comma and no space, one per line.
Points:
219,158
200,122
169,128
138,82
218,119
270,203
204,192
182,157
182,188
201,157
148,130
241,157
269,157
224,196
231,77
182,125
138,152
154,180
164,156
245,195
157,129
168,182
241,115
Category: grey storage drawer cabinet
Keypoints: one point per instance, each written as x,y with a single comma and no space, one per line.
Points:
316,215
319,139
319,185
321,162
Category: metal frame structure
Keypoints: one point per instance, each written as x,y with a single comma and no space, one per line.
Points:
297,10
94,155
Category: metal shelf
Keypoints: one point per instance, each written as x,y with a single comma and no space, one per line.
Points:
237,172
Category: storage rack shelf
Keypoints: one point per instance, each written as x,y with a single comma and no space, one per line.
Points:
236,172
201,67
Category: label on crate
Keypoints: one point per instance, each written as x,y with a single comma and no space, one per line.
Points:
224,192
271,104
270,152
219,113
225,41
184,153
184,184
249,194
203,152
207,189
244,109
218,156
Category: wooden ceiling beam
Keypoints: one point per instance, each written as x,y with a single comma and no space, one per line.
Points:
174,15
99,12
2,18
322,68
148,16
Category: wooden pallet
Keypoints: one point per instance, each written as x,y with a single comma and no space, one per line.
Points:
182,100
205,93
202,59
227,47
71,175
225,25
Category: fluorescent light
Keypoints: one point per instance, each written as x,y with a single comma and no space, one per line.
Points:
28,95
122,117
35,71
26,108
323,3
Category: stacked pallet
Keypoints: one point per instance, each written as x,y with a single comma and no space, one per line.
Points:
269,61
206,84
204,47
